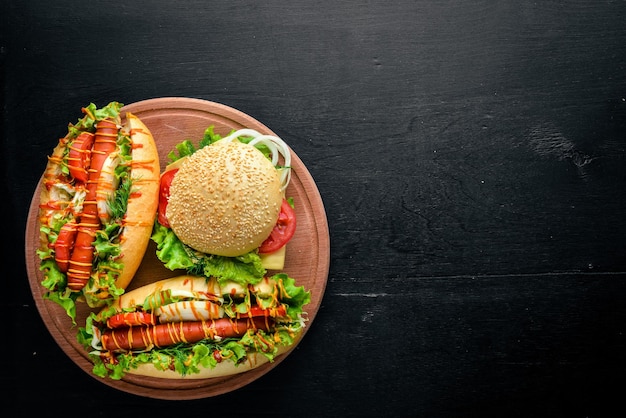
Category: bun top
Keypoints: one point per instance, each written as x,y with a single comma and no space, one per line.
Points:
225,199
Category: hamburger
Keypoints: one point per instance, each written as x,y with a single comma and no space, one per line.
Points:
222,207
225,199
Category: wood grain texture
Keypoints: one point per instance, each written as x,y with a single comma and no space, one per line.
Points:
470,156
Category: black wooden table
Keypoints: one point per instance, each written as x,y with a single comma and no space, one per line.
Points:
471,159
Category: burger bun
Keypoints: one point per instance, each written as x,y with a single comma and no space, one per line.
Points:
225,199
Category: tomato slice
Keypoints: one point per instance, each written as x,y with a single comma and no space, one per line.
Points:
129,319
79,156
283,230
164,195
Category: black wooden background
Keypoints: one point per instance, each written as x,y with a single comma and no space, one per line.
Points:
471,158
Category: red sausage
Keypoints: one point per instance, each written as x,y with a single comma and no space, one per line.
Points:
80,263
141,337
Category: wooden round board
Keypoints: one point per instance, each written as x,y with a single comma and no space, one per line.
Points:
172,120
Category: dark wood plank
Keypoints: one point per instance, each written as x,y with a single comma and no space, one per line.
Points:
470,156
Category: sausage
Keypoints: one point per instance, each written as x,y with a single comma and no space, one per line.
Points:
142,337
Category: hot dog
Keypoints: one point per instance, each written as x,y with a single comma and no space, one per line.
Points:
98,203
195,327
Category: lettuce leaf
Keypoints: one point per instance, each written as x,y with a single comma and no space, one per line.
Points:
294,296
244,269
92,115
54,280
170,250
186,147
190,359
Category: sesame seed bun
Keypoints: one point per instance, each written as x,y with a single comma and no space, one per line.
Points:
225,199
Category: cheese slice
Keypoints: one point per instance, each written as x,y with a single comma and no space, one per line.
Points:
275,260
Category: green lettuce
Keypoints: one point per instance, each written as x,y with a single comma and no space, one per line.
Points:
244,269
93,114
294,296
186,147
55,279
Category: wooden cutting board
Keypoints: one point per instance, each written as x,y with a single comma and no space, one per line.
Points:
171,120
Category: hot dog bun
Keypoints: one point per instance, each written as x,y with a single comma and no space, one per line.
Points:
225,199
188,283
143,202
